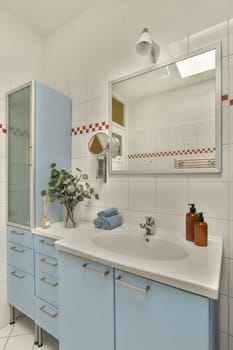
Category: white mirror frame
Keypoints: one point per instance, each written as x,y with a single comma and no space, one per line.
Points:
218,112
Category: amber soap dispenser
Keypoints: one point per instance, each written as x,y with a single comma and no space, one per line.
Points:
191,218
201,231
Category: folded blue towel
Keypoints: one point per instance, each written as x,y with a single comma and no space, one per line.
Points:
108,223
108,212
98,222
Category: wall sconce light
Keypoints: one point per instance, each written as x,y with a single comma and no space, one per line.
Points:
146,45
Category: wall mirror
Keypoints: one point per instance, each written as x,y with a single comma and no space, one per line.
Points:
167,119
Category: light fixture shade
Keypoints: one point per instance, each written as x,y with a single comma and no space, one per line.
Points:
145,45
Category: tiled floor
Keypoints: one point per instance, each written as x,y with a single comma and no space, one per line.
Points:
20,336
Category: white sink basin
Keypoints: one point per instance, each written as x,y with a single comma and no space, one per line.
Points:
141,246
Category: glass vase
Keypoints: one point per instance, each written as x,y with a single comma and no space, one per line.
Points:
71,216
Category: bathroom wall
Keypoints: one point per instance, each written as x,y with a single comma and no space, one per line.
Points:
21,60
100,46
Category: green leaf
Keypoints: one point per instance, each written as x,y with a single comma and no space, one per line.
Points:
53,165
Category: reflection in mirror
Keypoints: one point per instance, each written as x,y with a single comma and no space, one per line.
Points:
170,117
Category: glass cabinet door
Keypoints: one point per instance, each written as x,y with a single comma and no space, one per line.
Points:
19,156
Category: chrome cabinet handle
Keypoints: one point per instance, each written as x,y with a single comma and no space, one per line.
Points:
17,250
133,286
89,269
43,241
18,276
44,280
17,233
42,308
44,261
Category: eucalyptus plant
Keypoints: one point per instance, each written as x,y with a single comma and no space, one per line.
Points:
68,189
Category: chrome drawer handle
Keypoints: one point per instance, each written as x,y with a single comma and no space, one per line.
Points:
17,250
47,243
17,233
139,289
18,276
89,269
42,308
44,280
44,261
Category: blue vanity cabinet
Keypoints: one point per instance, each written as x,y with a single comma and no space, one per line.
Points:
86,295
20,270
150,315
46,285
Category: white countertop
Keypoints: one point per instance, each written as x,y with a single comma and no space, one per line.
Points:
199,272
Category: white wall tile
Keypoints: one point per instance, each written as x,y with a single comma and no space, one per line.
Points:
225,125
171,222
231,277
231,316
223,341
3,243
209,36
217,227
223,309
117,195
4,307
231,124
230,343
142,196
225,76
3,268
210,198
2,169
79,145
96,110
224,277
178,48
231,36
171,198
78,115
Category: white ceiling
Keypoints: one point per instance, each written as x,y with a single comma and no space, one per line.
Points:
47,15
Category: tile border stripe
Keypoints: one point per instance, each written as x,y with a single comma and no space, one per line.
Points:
84,129
172,153
3,129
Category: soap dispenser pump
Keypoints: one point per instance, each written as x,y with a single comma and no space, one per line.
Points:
201,231
191,218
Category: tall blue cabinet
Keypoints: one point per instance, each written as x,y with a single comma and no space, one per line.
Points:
39,133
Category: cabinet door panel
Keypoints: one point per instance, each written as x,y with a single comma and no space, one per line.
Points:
19,148
155,316
21,291
87,304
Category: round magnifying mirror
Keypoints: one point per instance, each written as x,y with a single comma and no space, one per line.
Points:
115,147
98,144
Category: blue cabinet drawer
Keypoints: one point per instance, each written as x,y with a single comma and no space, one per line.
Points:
46,264
20,236
21,291
44,245
47,288
21,257
47,317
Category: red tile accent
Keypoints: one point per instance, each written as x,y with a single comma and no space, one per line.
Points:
231,102
224,97
89,128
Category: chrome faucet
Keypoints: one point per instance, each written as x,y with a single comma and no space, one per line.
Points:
149,225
